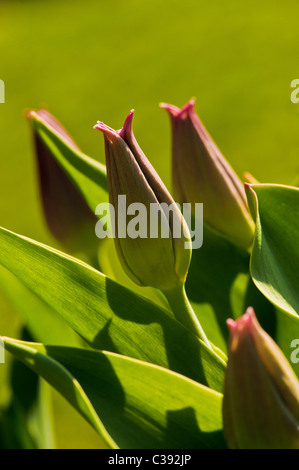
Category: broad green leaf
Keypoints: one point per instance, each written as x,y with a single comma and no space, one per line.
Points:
44,324
106,314
215,282
219,287
29,407
140,405
15,414
60,378
275,255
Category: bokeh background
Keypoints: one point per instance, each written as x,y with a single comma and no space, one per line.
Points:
97,59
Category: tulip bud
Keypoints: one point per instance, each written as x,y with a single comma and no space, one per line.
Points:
67,214
261,391
201,174
157,262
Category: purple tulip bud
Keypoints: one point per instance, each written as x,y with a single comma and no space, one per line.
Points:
201,174
67,214
261,391
150,261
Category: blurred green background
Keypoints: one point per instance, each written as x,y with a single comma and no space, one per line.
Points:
95,60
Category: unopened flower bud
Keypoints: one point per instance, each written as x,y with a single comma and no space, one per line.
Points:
201,174
67,214
261,391
148,258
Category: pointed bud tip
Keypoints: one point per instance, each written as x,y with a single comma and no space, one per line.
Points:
176,112
40,113
108,131
29,113
244,322
45,118
173,110
100,126
128,125
249,318
231,324
188,107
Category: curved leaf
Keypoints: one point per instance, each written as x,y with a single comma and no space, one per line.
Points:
60,378
140,405
275,255
44,324
219,287
216,285
106,314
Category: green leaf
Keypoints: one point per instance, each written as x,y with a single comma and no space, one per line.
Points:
275,255
60,378
216,282
29,409
15,414
219,286
106,314
140,405
44,324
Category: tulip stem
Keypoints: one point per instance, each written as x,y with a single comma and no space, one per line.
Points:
184,313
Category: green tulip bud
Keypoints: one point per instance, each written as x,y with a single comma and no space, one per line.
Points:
160,262
261,391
